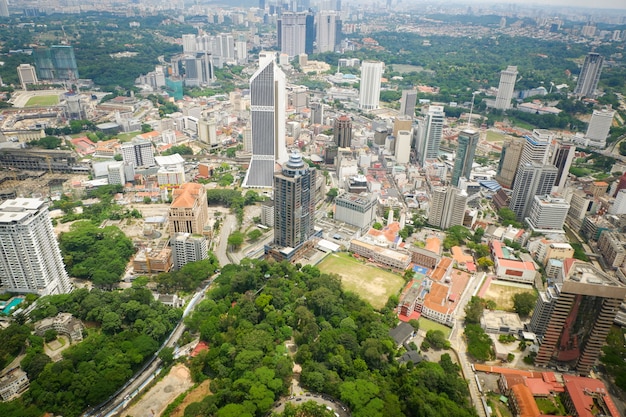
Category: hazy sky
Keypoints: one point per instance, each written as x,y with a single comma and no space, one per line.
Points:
588,4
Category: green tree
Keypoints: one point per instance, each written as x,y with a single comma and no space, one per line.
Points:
524,303
254,234
377,226
474,310
332,193
167,355
235,239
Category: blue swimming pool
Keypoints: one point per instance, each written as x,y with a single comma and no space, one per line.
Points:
14,302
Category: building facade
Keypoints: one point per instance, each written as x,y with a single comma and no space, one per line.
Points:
468,140
30,258
369,90
547,214
562,157
188,248
267,108
532,179
402,150
431,132
506,87
356,210
189,210
294,203
27,75
407,102
138,152
599,126
292,33
509,160
589,76
342,131
56,63
447,207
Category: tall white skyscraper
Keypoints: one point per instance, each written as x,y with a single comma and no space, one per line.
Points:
599,127
189,43
431,131
30,259
403,146
4,8
326,31
506,87
589,76
532,179
292,33
267,108
369,91
447,207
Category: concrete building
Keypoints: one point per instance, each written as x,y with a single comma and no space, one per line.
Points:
138,152
327,23
562,158
589,76
501,322
189,210
447,207
407,102
587,303
62,323
171,170
294,203
27,75
380,255
369,90
292,33
612,247
116,173
356,210
506,87
403,146
598,129
509,161
430,134
317,112
56,63
198,69
342,131
547,214
619,205
543,311
509,267
468,140
188,248
267,108
30,258
532,179
15,382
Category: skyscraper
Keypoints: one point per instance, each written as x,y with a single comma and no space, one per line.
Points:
56,63
509,160
342,131
431,131
326,31
562,157
292,30
468,140
317,112
407,102
589,76
403,146
198,69
447,207
4,8
580,313
506,87
267,108
309,41
188,248
294,203
369,90
30,259
531,179
599,127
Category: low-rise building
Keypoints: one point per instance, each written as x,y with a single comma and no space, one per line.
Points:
355,209
380,255
509,268
612,247
188,248
13,384
62,323
501,322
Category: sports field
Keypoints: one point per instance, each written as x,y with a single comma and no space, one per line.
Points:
372,284
502,293
50,100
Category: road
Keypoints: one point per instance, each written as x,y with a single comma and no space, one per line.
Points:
229,226
118,401
457,341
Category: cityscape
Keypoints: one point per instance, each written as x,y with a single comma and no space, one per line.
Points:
315,208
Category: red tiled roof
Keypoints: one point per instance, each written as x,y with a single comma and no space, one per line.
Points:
582,391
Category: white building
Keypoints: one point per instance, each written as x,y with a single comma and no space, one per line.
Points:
357,210
598,128
619,205
506,87
30,259
369,90
27,75
403,146
171,169
292,33
326,31
138,152
188,248
429,134
547,214
447,207
13,384
115,173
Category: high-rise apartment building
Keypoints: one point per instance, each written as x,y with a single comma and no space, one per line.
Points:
27,75
506,87
509,160
56,63
407,102
294,203
4,8
327,22
342,131
369,89
447,207
547,214
537,146
292,33
138,152
188,248
532,179
468,141
585,303
317,112
189,43
189,210
599,126
198,69
562,158
30,258
267,108
309,41
431,132
589,76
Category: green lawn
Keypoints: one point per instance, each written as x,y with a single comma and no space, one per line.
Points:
426,325
549,406
50,100
494,136
373,284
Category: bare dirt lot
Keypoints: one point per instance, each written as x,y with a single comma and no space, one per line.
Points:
502,293
154,402
196,395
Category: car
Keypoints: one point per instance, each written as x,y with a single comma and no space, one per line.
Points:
298,399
